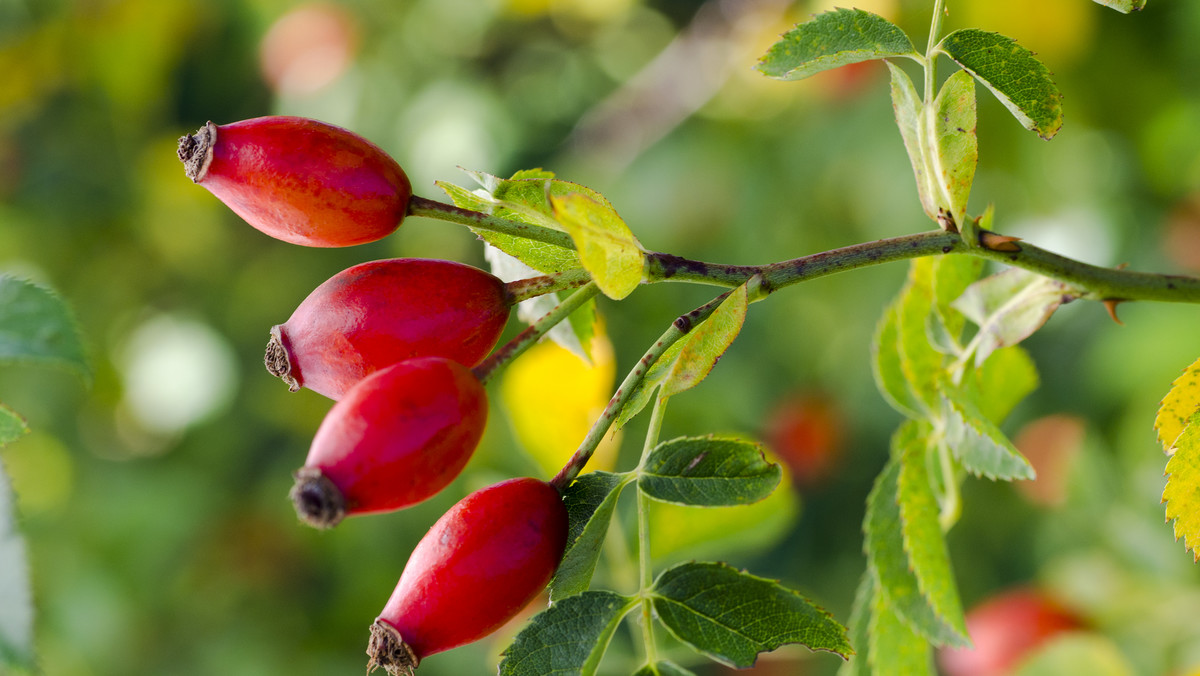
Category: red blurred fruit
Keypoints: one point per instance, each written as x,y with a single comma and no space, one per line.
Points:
375,314
300,180
1005,629
807,433
477,568
397,437
308,48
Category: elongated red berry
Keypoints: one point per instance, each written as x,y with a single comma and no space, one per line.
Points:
376,314
479,566
396,438
300,180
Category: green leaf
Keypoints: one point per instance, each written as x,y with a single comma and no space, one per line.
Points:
978,444
12,426
1176,410
575,334
590,501
1012,73
860,620
895,649
16,608
732,616
1009,307
955,148
886,366
908,107
952,275
920,363
708,471
607,249
693,356
921,532
1123,6
1004,380
889,560
569,637
663,668
1182,493
37,327
832,39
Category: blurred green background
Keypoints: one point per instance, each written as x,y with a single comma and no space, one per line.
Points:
154,502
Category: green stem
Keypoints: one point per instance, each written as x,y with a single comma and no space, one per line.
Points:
526,339
420,206
678,329
643,510
951,504
532,287
935,34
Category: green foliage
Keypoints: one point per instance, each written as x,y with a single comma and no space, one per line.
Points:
607,249
709,471
663,669
732,616
1008,307
836,38
590,500
1124,6
1182,493
37,327
978,443
568,637
16,611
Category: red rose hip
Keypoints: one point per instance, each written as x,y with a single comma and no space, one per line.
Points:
1006,629
300,180
396,438
477,568
378,313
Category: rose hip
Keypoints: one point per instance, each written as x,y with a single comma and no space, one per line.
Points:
396,438
300,180
477,568
378,313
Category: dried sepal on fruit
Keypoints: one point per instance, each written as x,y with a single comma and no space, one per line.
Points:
300,180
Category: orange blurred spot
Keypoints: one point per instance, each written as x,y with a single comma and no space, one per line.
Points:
308,48
806,431
1051,445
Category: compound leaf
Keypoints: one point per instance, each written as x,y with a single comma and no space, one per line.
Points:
978,444
1124,6
569,637
708,471
1009,306
1021,82
836,38
732,616
590,501
895,648
607,248
1177,408
37,327
1182,493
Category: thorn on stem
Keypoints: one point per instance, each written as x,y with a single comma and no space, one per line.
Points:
1005,243
1111,304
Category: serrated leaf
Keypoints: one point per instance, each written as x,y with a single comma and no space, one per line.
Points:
575,334
663,668
708,471
1182,493
569,637
37,327
922,532
978,444
954,146
16,610
859,628
1123,6
890,562
1009,306
886,366
732,616
1021,82
607,248
1176,410
590,501
12,425
895,649
832,39
1004,380
693,356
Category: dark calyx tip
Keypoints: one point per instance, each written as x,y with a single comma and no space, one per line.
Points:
277,362
318,502
388,650
196,151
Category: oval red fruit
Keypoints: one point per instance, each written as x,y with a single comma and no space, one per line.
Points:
378,313
300,180
479,566
396,438
1005,629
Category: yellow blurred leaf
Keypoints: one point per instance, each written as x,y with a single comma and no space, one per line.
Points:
1182,493
606,246
1178,406
553,397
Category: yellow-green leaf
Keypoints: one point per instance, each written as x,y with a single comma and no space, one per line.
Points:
1182,493
1178,406
606,246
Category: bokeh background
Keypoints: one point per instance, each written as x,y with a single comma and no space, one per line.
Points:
154,501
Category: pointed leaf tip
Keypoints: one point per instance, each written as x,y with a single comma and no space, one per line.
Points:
832,39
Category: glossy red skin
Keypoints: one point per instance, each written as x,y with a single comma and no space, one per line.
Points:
401,435
479,566
1005,629
307,182
378,313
